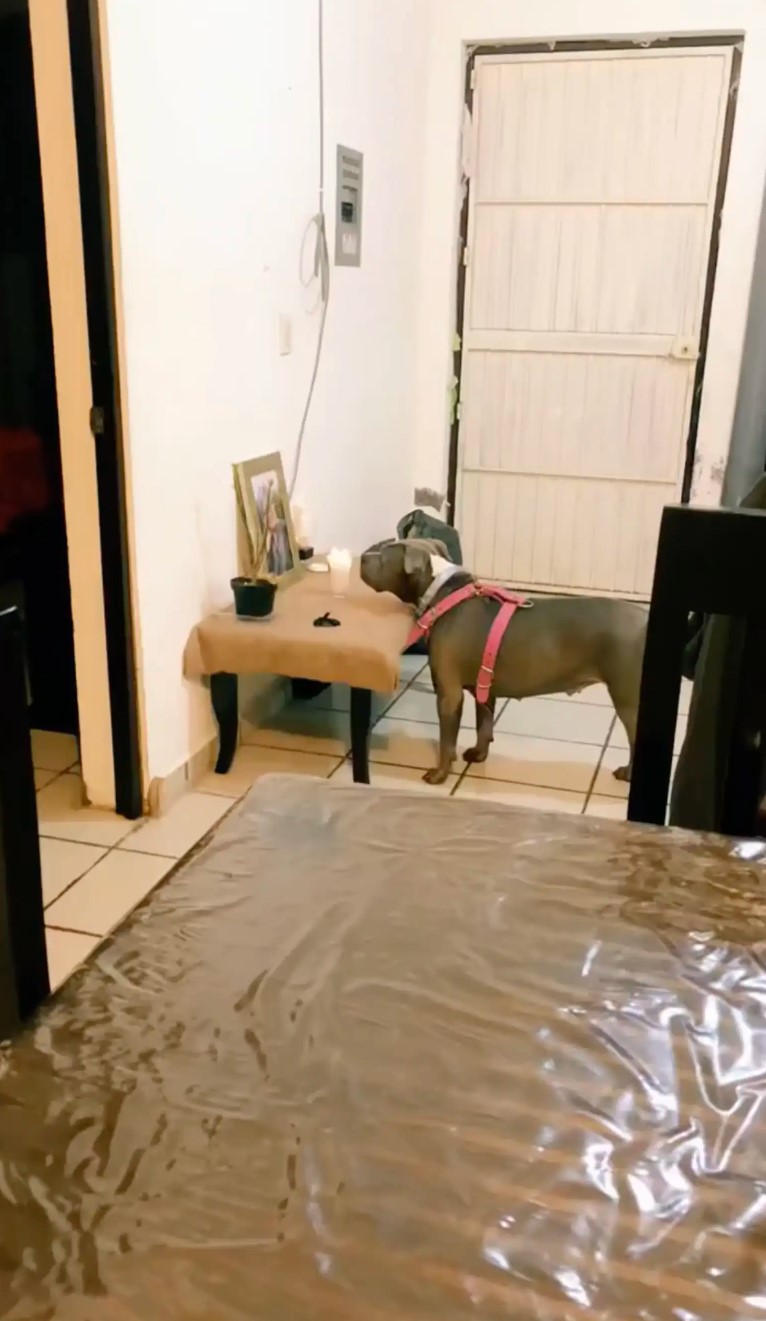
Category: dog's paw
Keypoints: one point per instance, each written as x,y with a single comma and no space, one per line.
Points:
623,773
436,776
474,756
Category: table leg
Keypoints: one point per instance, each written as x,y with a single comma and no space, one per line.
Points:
361,715
224,693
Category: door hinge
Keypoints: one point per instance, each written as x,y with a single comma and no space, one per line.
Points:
473,79
466,255
97,421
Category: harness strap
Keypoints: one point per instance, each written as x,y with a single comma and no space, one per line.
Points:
509,604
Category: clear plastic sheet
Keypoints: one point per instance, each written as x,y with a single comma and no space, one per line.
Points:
371,1056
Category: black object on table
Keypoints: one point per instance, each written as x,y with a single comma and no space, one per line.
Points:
709,561
23,959
224,690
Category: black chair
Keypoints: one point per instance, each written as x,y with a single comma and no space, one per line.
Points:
709,561
23,960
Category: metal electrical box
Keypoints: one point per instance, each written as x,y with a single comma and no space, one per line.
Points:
348,208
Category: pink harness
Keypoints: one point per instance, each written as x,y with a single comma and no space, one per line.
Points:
510,603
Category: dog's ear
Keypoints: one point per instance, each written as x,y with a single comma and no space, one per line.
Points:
415,560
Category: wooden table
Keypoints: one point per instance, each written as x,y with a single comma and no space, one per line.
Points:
364,652
373,1056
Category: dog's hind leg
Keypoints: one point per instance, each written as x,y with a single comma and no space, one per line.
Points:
485,724
626,706
449,704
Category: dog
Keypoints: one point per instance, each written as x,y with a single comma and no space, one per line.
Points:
561,644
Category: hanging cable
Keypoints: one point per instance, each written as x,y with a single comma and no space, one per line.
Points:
321,262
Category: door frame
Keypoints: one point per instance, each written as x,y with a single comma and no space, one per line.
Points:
106,421
473,53
70,91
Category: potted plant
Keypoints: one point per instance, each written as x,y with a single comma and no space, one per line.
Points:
254,593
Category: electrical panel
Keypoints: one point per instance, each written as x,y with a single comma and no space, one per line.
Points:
348,208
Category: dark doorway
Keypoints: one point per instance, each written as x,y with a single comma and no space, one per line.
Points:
34,569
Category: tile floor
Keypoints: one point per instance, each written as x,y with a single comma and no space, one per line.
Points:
552,754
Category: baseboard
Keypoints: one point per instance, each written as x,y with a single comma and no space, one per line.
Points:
260,697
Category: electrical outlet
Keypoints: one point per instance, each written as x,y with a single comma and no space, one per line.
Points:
285,335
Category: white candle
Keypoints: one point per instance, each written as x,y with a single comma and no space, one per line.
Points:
340,571
301,525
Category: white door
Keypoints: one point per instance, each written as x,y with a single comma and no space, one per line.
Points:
592,198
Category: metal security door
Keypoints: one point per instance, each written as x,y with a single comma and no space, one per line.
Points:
592,198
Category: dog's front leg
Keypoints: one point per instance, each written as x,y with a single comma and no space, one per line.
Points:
449,704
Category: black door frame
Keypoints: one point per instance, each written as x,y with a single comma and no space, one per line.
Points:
106,416
735,40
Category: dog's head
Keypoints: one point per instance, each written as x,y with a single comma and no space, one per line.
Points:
406,568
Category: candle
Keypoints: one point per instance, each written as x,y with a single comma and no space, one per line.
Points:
301,525
340,570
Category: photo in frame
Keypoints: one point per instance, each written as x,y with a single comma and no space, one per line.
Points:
264,507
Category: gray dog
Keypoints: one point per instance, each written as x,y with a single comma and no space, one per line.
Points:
560,645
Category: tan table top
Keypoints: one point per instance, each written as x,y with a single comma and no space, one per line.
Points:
383,1057
364,652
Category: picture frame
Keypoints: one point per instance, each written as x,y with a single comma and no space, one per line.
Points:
264,508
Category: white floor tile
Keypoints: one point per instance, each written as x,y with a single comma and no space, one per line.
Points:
540,761
611,809
53,752
338,698
420,705
572,722
66,951
406,778
251,763
183,826
63,863
619,738
109,892
61,815
405,743
526,796
302,729
411,667
606,785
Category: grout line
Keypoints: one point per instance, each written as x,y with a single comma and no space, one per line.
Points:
75,931
599,764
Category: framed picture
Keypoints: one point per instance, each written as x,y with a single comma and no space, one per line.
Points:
264,508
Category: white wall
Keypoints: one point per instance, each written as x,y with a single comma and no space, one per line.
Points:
457,22
215,139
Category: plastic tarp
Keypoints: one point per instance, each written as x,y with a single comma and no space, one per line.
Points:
372,1056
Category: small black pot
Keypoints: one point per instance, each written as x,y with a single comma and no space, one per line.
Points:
253,600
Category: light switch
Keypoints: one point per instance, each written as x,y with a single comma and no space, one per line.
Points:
285,335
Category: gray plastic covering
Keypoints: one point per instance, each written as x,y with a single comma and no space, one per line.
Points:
372,1057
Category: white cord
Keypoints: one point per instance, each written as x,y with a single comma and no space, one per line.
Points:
321,264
